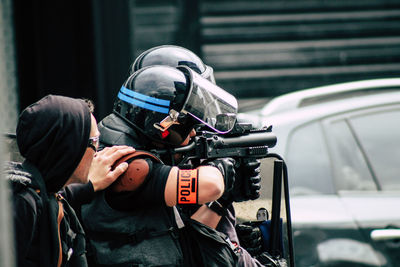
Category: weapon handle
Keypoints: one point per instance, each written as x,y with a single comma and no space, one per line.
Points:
287,207
276,209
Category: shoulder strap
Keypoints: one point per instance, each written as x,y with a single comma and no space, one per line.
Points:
178,219
139,154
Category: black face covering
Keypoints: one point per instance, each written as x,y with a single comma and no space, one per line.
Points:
53,134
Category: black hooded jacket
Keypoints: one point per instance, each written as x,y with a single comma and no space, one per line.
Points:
52,136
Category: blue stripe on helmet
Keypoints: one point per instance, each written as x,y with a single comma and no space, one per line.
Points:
146,98
142,104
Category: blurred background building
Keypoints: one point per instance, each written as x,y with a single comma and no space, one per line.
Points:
257,48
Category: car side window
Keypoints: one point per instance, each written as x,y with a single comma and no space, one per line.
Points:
379,136
349,165
308,161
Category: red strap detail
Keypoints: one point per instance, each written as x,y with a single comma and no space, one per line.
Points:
164,134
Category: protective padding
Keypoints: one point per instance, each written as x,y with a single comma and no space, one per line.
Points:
136,173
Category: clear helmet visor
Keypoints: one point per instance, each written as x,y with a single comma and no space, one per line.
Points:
211,105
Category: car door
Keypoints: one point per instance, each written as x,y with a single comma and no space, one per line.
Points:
365,150
325,233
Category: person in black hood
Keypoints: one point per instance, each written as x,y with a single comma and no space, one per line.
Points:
58,137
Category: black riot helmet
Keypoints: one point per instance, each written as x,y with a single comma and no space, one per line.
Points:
161,101
174,56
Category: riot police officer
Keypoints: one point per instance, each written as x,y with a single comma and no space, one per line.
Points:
117,128
172,55
157,107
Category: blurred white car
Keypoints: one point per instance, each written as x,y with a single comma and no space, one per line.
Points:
342,147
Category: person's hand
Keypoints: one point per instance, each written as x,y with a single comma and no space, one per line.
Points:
248,180
250,237
252,167
101,172
227,168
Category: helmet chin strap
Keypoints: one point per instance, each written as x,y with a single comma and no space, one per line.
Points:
170,120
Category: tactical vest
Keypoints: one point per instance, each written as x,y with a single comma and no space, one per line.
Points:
144,237
139,238
148,237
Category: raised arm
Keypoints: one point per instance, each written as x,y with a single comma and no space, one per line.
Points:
209,180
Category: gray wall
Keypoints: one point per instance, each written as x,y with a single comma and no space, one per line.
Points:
7,123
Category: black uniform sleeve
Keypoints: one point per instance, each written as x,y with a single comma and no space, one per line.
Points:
78,194
227,226
150,193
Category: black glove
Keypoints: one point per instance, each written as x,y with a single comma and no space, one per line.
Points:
250,237
267,260
227,167
248,180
